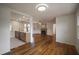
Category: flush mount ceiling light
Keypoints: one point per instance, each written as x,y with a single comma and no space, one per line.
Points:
41,7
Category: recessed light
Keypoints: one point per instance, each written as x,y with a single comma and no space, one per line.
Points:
23,16
39,23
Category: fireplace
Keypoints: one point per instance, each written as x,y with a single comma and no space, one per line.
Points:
43,32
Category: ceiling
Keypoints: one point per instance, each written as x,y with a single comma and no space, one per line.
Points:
53,10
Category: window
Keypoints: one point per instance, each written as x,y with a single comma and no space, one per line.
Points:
26,27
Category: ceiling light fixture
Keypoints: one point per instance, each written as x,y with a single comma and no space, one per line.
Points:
41,7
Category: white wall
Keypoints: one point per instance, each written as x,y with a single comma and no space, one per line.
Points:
66,29
50,28
77,42
4,30
54,28
36,28
15,27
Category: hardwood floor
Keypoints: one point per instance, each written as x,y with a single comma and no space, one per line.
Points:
46,46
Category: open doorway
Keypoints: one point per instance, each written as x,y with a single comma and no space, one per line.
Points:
19,30
54,28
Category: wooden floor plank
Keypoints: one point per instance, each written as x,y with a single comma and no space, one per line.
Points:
47,46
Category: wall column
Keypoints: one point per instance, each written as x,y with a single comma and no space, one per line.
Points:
31,31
